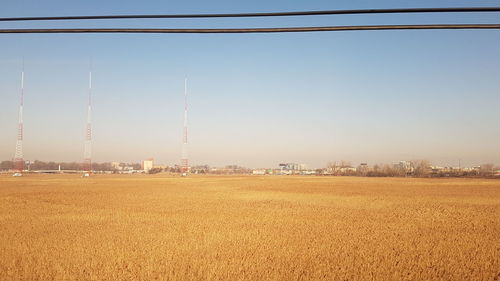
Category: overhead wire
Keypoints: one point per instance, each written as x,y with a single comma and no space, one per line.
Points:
252,30
255,30
263,14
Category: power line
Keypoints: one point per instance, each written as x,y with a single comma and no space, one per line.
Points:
252,30
265,14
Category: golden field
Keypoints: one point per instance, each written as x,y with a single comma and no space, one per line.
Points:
142,227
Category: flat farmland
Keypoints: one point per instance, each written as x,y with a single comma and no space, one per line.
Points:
142,227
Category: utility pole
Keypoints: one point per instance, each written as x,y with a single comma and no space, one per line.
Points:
87,161
184,159
18,158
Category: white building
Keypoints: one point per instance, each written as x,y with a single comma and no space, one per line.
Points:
147,165
259,172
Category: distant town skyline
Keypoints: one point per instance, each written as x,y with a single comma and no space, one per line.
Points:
255,100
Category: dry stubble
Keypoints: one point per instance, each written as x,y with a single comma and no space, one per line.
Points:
248,228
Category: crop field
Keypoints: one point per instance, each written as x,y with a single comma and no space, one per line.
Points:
143,227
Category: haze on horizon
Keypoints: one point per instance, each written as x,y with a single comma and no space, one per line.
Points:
255,99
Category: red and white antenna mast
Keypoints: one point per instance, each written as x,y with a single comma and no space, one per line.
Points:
184,160
18,158
87,155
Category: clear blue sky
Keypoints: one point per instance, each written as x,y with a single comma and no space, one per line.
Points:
255,99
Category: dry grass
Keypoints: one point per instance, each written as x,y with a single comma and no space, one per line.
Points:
248,228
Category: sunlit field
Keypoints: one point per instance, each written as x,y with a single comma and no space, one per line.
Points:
142,227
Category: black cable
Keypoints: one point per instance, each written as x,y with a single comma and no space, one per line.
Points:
269,14
251,30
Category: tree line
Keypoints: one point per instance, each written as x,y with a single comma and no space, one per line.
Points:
415,168
41,165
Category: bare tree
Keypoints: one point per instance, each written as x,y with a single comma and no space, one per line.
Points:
486,170
6,165
333,168
421,168
345,164
362,170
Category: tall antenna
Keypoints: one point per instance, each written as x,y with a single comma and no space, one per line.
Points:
184,160
18,158
87,155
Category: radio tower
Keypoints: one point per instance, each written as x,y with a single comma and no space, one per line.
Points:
184,160
18,158
87,155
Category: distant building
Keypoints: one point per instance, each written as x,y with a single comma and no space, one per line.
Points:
363,168
345,170
289,166
116,165
292,169
147,165
406,166
259,172
200,169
